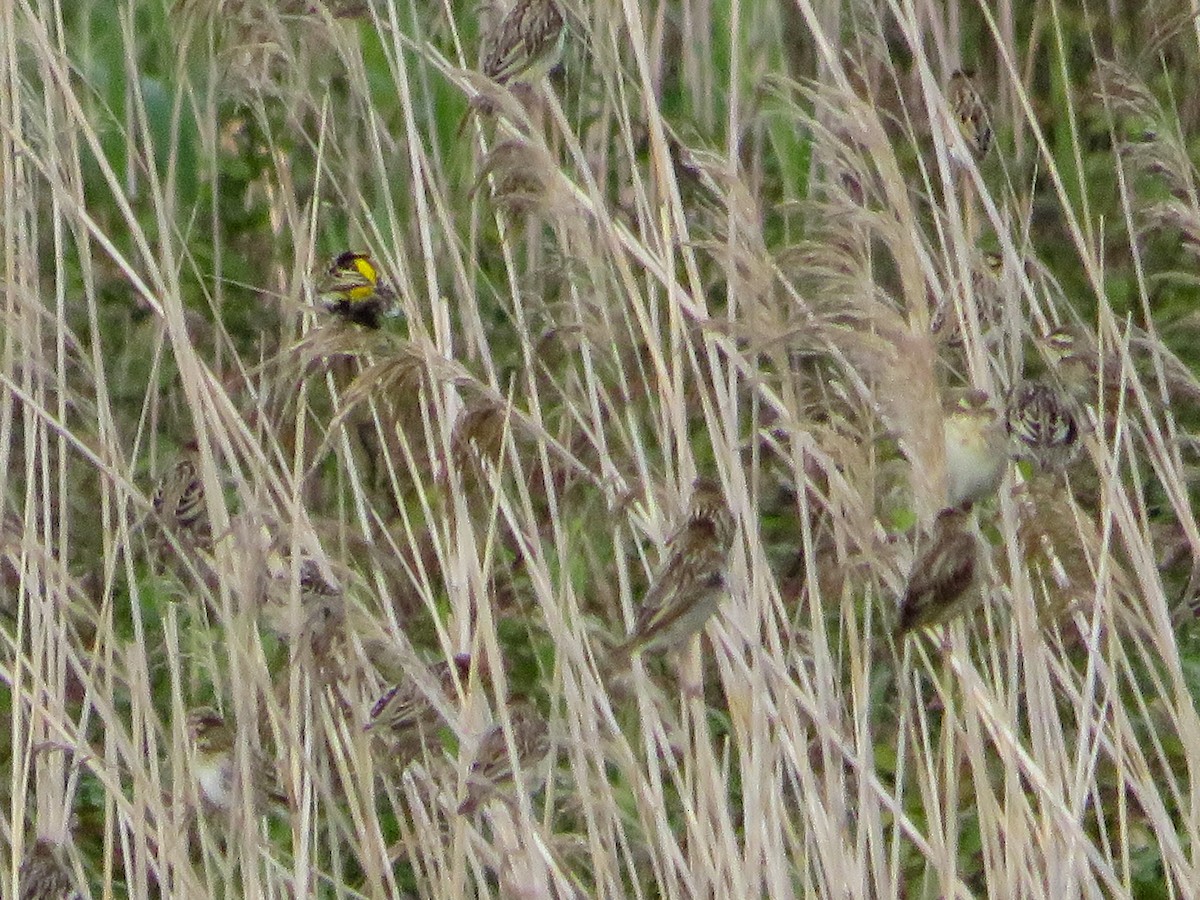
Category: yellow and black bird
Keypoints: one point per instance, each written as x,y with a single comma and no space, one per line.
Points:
353,290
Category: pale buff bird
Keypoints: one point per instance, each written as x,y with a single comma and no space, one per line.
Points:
975,449
217,769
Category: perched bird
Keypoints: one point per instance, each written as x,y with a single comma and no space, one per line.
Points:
527,43
352,290
217,768
1042,425
44,875
942,575
1092,378
405,708
987,270
1072,358
970,113
1102,379
492,767
324,604
179,498
315,628
691,585
975,449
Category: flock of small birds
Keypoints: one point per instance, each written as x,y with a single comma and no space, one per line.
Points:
1039,423
1041,420
525,45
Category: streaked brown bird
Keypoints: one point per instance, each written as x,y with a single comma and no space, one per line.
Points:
943,574
405,708
1072,358
217,769
970,113
1091,377
692,583
987,286
179,498
44,874
976,447
492,766
527,43
1042,425
316,627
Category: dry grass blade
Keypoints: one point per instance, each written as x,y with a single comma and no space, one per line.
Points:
401,557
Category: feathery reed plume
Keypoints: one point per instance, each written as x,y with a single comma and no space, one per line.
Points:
44,874
524,178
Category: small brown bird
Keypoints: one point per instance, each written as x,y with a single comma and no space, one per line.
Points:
1042,425
943,574
405,708
691,585
217,769
44,875
527,43
970,113
1072,359
987,271
975,449
179,498
316,628
1090,377
492,767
